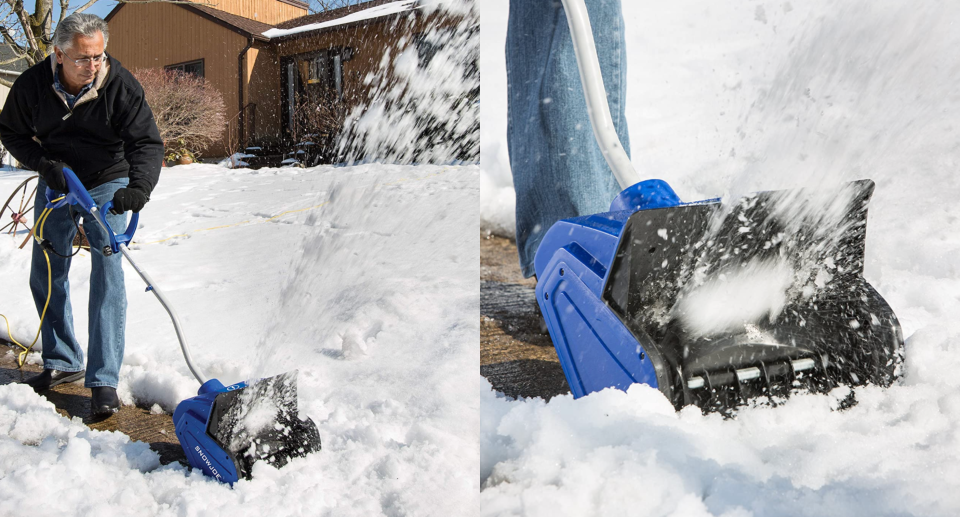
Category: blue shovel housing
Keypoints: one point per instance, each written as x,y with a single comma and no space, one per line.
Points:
617,290
224,430
217,437
609,287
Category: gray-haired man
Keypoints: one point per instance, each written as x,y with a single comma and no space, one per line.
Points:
80,109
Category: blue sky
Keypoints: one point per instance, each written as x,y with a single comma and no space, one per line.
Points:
101,8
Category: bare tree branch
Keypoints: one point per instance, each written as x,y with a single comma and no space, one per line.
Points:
9,61
319,6
80,9
12,43
28,35
32,43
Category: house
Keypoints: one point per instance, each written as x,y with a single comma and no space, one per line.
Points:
264,55
9,71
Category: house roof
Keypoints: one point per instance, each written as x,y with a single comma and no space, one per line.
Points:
238,24
336,18
11,68
246,26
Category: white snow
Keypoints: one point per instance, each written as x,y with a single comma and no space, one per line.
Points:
271,271
734,298
365,14
733,97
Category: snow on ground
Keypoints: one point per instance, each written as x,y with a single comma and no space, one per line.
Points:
362,278
726,98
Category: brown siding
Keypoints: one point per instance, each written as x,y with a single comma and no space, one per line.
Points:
369,43
265,11
154,35
160,34
264,90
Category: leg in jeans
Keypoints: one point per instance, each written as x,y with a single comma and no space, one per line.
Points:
108,298
558,169
60,348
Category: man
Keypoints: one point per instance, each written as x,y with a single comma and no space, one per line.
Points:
558,169
81,110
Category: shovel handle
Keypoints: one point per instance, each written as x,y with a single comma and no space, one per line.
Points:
125,237
596,95
78,195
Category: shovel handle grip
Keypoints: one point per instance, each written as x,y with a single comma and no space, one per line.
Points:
78,195
126,236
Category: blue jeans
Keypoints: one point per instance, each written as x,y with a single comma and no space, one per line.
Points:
558,169
108,298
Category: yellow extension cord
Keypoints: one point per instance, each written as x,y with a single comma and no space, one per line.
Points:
38,235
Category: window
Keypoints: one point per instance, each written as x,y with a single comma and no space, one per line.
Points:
313,78
323,69
190,67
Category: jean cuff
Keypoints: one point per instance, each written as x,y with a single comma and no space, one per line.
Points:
99,385
63,367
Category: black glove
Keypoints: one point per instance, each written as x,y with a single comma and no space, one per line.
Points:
52,173
128,199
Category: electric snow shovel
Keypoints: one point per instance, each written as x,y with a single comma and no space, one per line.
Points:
714,304
224,430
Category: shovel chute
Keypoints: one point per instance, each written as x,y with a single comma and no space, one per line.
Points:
716,304
225,430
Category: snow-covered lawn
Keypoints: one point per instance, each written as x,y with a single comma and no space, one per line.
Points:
362,278
728,97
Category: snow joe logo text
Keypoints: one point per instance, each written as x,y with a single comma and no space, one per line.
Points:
210,466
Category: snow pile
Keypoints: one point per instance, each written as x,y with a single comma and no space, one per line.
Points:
727,99
271,271
616,453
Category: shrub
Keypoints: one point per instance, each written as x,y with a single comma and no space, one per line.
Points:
318,117
190,113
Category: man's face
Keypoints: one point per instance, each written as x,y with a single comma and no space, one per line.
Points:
83,48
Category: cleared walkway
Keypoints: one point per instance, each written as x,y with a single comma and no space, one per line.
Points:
73,400
516,356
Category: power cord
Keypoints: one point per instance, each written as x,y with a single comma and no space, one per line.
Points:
44,245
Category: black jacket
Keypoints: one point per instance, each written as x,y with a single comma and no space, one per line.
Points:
109,134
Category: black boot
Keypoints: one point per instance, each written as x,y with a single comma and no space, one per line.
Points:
104,401
50,378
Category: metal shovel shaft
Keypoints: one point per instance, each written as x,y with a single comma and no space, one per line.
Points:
95,212
596,95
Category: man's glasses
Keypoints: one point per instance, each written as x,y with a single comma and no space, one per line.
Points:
85,62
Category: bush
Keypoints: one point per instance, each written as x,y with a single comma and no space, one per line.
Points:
318,117
190,113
